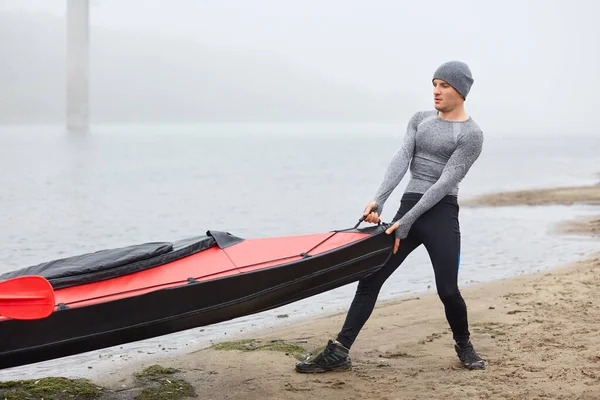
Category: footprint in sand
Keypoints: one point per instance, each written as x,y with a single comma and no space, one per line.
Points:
430,338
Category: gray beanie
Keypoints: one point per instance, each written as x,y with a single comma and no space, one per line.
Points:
457,74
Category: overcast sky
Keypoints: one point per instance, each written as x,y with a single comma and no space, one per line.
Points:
533,59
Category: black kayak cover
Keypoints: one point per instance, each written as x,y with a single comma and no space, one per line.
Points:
115,262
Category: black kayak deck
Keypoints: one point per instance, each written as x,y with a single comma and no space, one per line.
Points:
112,263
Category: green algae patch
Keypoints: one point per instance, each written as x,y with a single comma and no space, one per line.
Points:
293,349
158,382
53,388
153,373
168,390
316,351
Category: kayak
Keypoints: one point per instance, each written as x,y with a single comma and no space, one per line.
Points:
126,294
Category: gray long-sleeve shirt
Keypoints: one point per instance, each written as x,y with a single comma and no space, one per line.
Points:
439,153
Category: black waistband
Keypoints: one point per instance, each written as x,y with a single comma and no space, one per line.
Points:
414,197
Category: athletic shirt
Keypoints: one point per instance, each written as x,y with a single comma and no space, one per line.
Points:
439,153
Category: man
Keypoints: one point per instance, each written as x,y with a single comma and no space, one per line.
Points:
440,146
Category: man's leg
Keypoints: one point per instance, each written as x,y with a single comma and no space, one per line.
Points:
441,237
336,354
368,290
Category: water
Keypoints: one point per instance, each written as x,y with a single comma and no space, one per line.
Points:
64,195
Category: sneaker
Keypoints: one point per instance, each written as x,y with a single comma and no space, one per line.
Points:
468,357
335,357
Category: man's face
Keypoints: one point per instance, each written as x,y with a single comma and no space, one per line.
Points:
445,97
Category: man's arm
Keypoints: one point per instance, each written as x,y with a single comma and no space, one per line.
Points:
468,150
398,165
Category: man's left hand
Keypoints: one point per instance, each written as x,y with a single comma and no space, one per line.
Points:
390,230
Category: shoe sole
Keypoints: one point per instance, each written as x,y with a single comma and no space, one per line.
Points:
474,366
324,369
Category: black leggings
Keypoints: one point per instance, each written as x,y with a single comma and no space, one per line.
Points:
438,229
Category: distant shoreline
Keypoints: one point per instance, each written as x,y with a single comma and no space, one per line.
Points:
564,195
567,195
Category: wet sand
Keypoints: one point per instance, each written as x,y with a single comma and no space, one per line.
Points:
539,334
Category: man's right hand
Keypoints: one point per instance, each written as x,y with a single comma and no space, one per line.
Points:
371,213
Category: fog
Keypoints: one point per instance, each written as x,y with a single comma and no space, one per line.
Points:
266,60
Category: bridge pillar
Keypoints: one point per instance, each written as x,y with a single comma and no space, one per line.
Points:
77,65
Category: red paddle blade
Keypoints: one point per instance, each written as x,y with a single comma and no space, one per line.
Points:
26,297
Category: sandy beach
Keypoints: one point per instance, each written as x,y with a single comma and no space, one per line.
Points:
539,334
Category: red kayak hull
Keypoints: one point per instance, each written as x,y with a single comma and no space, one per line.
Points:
103,301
